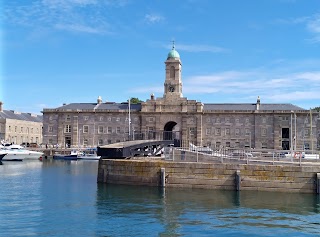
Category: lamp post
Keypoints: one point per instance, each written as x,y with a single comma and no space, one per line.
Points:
291,131
79,137
295,131
129,119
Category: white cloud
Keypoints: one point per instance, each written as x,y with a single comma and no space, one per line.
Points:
200,48
78,28
153,18
272,84
67,15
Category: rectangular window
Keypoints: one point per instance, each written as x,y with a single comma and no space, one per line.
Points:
208,131
192,131
118,129
85,128
227,120
67,128
109,130
237,120
50,129
100,142
237,144
227,144
218,120
31,130
264,145
285,118
86,118
263,132
109,141
208,120
118,119
247,120
218,131
218,144
247,131
306,132
227,131
68,118
237,132
109,119
15,128
264,120
50,141
85,142
21,129
100,129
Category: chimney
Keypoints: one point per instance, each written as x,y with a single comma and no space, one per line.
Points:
99,100
152,96
1,106
258,103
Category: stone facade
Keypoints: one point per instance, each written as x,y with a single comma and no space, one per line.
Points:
256,125
280,178
17,127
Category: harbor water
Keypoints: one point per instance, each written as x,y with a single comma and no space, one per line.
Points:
63,198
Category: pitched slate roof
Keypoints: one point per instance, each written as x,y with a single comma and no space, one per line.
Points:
271,107
10,114
102,106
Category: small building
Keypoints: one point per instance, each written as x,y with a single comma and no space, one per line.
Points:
17,127
172,116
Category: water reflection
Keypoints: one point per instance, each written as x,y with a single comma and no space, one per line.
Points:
171,211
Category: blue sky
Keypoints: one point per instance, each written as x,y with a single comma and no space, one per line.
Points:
67,51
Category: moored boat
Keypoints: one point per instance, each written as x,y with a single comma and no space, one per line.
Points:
89,154
72,156
2,155
16,152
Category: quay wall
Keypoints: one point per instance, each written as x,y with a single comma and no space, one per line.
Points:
282,178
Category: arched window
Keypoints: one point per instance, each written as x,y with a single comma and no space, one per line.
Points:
172,72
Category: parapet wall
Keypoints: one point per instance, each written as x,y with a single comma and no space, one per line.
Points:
302,179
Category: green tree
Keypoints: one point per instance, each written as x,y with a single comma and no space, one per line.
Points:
316,109
135,100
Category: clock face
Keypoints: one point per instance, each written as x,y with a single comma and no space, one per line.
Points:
171,88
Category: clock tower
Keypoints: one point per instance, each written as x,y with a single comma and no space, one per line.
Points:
173,82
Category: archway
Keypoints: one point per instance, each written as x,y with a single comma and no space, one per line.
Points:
168,131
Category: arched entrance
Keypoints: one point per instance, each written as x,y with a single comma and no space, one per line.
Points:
169,132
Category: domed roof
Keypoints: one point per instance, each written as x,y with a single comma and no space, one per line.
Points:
173,53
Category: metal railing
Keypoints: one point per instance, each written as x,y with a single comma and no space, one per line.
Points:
241,156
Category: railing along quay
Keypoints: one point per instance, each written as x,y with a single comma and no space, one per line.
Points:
238,156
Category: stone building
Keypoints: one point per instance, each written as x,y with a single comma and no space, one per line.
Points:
17,127
250,125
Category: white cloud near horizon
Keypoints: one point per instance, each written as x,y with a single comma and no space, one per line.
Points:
272,85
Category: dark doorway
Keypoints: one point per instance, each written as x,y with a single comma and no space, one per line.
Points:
167,131
68,141
285,145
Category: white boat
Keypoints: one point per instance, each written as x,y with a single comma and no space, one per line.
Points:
19,153
89,154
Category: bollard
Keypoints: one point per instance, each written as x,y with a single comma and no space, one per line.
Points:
163,177
318,183
238,180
